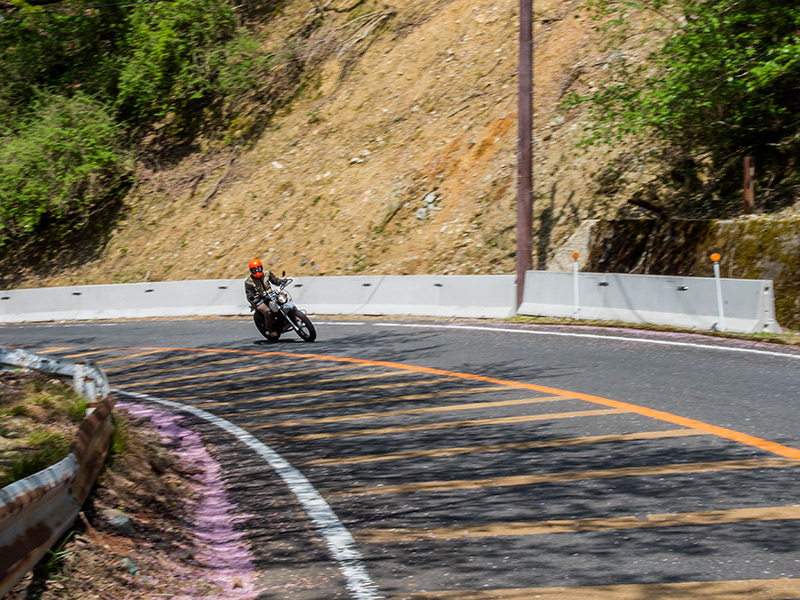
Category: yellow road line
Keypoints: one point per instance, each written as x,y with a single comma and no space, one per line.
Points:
471,484
256,378
127,357
413,411
753,589
206,374
511,446
51,348
160,361
163,360
709,517
281,386
90,353
347,403
451,424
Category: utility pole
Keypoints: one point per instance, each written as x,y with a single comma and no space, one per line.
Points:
524,147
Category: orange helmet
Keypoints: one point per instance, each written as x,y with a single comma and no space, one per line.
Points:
256,268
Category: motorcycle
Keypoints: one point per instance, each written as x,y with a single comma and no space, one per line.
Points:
286,316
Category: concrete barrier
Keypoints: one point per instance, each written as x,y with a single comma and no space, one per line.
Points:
677,301
478,296
748,304
474,296
133,300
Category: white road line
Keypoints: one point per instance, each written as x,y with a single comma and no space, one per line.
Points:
594,336
339,540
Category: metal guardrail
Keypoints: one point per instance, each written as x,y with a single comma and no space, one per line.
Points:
36,511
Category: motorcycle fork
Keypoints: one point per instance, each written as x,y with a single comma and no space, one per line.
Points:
290,321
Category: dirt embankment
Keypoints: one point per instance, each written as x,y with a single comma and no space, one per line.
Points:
399,155
137,534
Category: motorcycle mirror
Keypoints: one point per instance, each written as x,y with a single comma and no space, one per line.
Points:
283,273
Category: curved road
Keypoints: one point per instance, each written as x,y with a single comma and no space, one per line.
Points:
400,459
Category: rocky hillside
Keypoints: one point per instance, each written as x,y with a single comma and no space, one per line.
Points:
397,154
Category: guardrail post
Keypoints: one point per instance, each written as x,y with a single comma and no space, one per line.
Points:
79,378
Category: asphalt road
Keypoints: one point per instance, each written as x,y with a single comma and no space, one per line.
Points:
483,460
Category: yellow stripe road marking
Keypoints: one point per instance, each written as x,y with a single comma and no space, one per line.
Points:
90,353
709,517
280,386
206,374
160,361
348,403
722,432
452,424
257,377
472,484
754,589
143,364
413,411
194,366
511,446
54,348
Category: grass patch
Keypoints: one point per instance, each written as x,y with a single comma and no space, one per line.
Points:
39,418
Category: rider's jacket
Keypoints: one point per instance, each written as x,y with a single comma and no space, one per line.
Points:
256,289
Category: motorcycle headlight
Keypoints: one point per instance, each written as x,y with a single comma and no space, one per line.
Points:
282,298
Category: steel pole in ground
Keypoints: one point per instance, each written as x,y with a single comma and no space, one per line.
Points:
720,305
576,286
524,258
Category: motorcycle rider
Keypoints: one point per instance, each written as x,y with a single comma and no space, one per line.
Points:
255,288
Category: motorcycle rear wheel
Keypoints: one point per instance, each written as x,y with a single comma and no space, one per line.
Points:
305,328
261,325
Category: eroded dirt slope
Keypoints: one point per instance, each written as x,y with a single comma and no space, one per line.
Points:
399,155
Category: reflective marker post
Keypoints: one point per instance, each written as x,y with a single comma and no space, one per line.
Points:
716,258
577,310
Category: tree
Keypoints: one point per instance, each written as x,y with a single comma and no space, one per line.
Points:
724,81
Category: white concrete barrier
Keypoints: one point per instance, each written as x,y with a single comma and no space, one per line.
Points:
748,304
479,296
678,301
133,300
474,296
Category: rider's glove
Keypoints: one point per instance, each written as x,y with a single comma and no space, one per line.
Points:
284,282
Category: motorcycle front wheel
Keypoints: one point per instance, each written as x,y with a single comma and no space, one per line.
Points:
305,328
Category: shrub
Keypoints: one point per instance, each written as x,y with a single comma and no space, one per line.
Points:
59,167
173,51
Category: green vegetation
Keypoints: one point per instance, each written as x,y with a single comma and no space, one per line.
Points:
59,165
78,84
38,422
185,52
712,80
